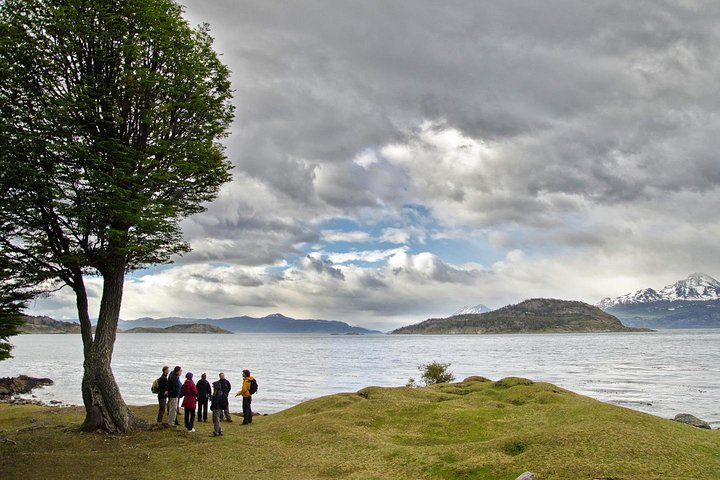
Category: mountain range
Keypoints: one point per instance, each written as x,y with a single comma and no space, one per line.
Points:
693,302
275,323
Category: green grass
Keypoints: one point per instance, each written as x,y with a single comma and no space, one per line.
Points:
471,430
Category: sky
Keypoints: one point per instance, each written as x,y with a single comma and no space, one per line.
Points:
395,161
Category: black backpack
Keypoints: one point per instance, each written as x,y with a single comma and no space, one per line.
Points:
253,387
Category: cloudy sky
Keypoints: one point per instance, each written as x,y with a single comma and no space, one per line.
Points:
398,160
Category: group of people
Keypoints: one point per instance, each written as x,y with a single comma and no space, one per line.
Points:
170,389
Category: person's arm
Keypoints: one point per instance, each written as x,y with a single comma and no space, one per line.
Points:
245,387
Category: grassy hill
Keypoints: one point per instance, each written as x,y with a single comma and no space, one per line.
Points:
190,328
538,315
476,429
47,325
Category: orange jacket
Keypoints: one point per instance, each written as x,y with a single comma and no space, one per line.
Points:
245,390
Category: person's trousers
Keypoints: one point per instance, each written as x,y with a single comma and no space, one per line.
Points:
173,405
227,414
189,418
162,404
247,410
216,415
202,410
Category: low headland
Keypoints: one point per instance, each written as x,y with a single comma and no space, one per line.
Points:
474,429
188,328
537,315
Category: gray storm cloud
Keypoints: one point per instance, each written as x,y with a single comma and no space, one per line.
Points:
582,132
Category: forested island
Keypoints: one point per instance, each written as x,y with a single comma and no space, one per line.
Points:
189,328
538,315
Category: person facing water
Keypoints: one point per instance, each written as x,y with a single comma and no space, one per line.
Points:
204,394
162,393
227,388
173,393
246,393
218,405
189,393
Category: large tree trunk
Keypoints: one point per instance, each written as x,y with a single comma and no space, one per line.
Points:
104,406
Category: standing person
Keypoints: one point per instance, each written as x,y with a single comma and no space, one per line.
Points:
218,405
204,394
226,387
173,393
249,387
162,393
189,393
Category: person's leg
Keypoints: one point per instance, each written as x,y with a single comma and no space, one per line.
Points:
187,419
249,409
246,410
202,411
216,421
172,405
227,414
162,404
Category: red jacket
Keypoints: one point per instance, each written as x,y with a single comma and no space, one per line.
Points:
189,393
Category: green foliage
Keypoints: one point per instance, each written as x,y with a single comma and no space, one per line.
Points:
435,372
110,116
12,301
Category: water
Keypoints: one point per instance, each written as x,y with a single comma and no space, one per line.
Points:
662,373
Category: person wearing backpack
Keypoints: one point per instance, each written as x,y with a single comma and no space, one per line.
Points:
249,387
160,387
204,394
218,405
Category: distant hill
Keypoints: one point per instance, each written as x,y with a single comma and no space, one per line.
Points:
47,325
275,323
538,315
186,328
690,303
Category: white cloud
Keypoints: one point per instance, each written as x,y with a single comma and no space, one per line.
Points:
370,256
342,236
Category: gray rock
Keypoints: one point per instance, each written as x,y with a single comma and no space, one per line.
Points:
691,420
526,476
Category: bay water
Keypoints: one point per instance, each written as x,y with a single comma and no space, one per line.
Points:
662,373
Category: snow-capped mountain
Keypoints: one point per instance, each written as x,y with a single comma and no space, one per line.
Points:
696,287
479,308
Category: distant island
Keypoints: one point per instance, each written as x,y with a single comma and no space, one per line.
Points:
185,328
538,315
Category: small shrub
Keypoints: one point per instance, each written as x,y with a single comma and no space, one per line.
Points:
436,372
411,383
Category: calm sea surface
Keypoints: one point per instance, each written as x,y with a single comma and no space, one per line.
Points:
663,373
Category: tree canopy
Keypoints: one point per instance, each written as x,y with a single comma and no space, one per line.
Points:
12,302
111,115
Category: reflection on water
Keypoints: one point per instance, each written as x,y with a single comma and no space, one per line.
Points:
662,373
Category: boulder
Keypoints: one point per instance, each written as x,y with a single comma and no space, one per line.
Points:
526,476
691,420
21,384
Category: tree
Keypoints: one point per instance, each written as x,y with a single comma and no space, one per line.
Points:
111,113
436,372
12,301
